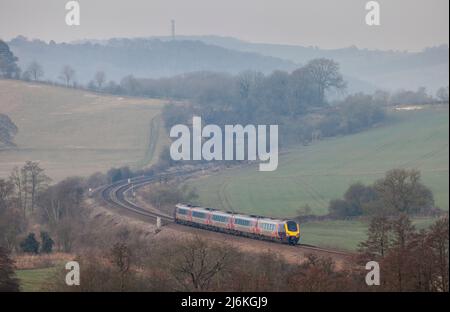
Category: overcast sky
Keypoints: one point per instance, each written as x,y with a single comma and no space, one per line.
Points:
405,24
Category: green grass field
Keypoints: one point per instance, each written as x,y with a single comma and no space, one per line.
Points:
34,279
75,132
320,172
342,234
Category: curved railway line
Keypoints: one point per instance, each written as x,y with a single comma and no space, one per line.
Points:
116,195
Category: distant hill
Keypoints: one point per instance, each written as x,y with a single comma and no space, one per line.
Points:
384,69
155,57
147,58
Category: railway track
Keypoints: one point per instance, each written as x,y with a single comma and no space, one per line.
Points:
116,195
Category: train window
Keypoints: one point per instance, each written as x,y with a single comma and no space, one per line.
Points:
182,211
218,218
197,214
268,226
242,222
291,225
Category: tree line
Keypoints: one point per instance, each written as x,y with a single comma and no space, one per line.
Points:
410,260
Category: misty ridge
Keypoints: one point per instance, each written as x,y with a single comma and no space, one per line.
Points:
152,58
157,57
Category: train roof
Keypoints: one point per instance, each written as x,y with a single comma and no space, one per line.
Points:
270,220
186,206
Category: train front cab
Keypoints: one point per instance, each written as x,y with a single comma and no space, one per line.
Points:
290,231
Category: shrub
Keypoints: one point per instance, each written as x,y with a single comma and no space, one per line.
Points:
47,242
30,244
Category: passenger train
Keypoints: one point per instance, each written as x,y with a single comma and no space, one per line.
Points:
285,231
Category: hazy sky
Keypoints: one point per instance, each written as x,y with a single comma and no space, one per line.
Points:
405,24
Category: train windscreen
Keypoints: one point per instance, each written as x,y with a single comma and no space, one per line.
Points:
292,226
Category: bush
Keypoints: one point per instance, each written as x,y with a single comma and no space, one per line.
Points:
168,194
117,174
400,191
356,198
8,281
47,243
30,244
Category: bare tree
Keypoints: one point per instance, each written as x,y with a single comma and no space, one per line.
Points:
62,201
318,274
100,78
377,242
11,222
325,73
401,191
442,94
29,182
36,180
18,178
198,263
35,71
439,244
6,190
121,258
67,75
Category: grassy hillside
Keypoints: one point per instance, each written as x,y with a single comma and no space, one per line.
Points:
322,171
74,132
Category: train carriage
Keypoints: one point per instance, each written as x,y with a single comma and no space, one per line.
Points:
183,213
251,226
244,224
269,227
221,220
200,216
